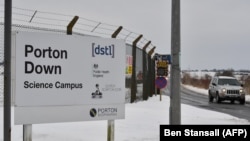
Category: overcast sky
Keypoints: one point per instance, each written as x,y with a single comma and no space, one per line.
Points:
214,33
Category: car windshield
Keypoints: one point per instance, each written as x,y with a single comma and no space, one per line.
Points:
228,82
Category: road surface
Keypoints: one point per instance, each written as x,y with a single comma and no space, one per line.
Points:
200,100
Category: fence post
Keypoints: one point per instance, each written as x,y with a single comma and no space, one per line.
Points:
153,89
71,24
133,77
118,30
149,75
145,71
152,72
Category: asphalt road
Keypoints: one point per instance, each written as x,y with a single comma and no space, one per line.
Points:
200,100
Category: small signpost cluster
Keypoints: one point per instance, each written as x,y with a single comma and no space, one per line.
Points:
162,62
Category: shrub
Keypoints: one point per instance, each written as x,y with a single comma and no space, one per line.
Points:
202,82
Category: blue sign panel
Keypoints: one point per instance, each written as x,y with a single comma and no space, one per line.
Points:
166,58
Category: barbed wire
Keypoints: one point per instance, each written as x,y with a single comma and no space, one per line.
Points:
58,21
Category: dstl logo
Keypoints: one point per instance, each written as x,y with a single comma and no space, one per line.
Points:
103,50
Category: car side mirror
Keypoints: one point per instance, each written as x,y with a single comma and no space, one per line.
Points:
213,84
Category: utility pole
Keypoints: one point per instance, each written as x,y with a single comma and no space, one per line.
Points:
175,104
7,69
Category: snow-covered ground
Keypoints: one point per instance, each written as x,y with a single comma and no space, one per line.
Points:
141,123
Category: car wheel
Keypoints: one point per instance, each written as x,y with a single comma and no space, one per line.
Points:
242,101
210,97
218,100
232,101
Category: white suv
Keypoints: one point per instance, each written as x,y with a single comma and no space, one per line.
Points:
226,88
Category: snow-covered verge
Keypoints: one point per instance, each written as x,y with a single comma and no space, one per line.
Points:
141,123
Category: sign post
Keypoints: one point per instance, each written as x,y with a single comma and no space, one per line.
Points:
27,132
7,70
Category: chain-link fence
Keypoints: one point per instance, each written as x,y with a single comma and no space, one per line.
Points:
38,21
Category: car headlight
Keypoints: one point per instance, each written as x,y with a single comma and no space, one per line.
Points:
241,91
224,90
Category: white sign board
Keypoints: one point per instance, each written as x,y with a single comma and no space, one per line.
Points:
65,78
